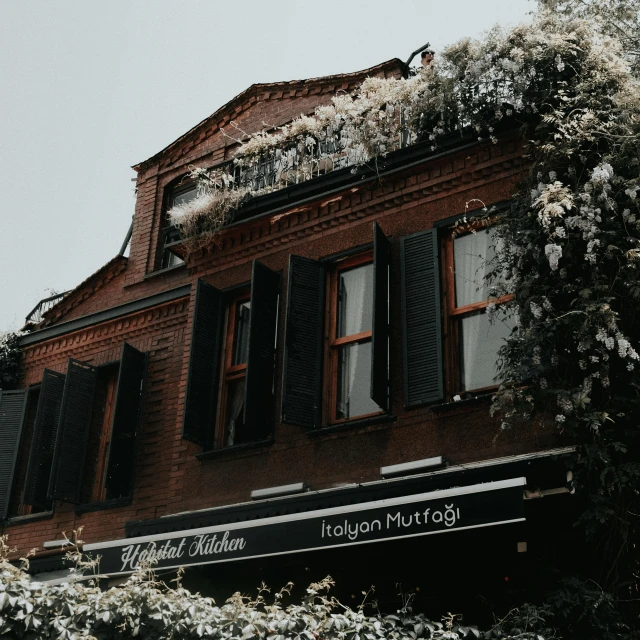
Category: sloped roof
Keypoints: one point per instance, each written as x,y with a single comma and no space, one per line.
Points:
93,283
269,90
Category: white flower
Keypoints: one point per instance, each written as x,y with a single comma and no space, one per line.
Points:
565,404
536,310
457,398
602,173
553,253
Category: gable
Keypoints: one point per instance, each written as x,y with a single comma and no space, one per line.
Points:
273,104
96,292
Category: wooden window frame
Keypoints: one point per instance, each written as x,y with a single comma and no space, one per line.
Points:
99,489
454,314
230,372
172,190
332,343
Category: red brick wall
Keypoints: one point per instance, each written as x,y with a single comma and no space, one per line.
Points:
169,478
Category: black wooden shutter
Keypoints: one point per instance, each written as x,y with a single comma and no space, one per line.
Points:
73,432
12,410
258,391
380,332
202,397
422,336
126,420
43,444
302,371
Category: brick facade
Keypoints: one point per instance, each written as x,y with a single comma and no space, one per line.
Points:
169,478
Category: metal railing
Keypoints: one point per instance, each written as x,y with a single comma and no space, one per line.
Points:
37,313
280,168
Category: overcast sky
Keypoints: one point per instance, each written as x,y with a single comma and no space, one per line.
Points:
88,88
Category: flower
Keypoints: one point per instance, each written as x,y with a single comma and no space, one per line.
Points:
553,253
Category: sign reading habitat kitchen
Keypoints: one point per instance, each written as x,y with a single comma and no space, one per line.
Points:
456,509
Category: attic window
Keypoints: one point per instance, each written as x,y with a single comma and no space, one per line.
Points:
178,194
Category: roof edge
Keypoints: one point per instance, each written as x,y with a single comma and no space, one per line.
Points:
261,86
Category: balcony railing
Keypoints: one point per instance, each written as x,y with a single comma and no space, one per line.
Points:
37,314
280,168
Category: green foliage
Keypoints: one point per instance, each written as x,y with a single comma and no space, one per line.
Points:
569,247
143,607
9,360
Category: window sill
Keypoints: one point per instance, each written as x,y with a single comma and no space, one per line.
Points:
105,504
236,448
467,402
353,424
31,517
160,272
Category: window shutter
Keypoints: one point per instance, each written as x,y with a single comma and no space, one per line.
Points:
258,393
380,332
422,336
126,420
73,432
44,439
12,410
302,371
201,397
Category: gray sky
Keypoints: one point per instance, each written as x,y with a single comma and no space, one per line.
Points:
88,88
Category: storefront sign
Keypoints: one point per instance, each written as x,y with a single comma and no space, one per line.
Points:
456,509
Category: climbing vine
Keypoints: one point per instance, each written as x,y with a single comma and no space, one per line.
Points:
569,246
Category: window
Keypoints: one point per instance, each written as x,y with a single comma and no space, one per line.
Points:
473,336
179,194
235,372
336,356
82,445
350,322
229,396
93,483
17,417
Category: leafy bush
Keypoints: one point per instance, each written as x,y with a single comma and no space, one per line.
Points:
9,360
143,607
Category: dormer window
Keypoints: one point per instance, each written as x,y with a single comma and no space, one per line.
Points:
179,194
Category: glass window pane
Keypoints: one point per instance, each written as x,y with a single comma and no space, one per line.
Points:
480,341
241,338
354,381
171,259
184,196
355,300
234,428
472,257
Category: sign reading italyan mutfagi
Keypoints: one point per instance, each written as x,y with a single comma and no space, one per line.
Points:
480,505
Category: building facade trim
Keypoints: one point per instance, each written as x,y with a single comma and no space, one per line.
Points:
103,316
502,504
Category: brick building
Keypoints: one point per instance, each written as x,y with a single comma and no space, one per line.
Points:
317,378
